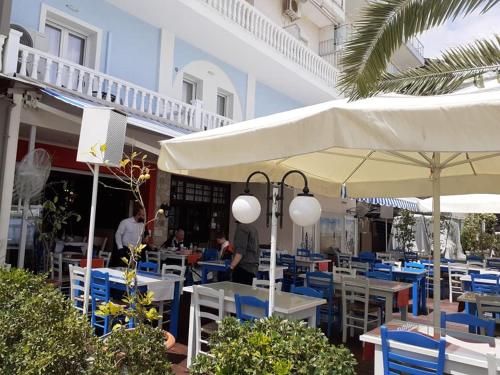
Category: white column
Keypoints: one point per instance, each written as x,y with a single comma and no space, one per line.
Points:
26,207
11,51
274,237
250,102
9,167
90,244
166,65
436,211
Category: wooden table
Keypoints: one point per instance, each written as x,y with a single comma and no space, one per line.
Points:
288,305
458,359
379,288
418,279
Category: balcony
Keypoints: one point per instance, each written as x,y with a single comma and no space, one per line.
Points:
56,72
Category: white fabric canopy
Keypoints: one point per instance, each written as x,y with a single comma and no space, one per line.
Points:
386,146
465,204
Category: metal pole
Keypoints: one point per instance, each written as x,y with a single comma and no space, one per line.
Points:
436,210
90,245
274,237
386,239
26,207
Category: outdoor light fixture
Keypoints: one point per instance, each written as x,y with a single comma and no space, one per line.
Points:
304,210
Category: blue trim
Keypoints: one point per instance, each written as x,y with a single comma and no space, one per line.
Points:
392,202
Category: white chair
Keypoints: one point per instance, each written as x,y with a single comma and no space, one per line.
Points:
455,272
77,286
56,271
360,267
100,242
475,264
257,283
154,256
208,305
357,312
343,260
344,271
488,307
165,307
107,257
174,269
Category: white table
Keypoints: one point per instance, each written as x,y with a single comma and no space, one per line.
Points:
288,305
168,254
302,262
458,359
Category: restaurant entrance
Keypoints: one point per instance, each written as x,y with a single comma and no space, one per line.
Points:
199,207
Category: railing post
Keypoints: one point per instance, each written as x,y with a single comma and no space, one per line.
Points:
11,52
198,108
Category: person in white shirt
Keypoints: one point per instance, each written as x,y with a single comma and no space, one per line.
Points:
129,233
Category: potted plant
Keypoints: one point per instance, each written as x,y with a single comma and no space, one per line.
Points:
478,234
272,346
405,230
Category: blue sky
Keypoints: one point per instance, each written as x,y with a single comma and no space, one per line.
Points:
463,30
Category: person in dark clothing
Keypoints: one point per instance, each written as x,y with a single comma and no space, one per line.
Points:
177,241
245,263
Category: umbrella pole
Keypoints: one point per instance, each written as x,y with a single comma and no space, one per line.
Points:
90,244
436,211
274,236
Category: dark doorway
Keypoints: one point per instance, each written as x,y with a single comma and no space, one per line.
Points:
199,207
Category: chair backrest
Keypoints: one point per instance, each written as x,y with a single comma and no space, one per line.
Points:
154,257
106,256
469,320
316,256
289,261
344,271
77,285
148,267
355,292
265,254
360,267
474,258
415,265
244,302
56,268
380,275
343,260
208,305
367,255
99,287
210,254
396,362
488,306
258,283
173,269
475,263
321,281
100,242
485,283
493,263
303,252
306,291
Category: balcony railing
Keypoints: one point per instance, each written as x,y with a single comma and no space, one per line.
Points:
52,70
262,28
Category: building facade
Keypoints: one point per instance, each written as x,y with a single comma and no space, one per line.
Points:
174,67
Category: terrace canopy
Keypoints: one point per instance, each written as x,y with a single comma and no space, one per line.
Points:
385,146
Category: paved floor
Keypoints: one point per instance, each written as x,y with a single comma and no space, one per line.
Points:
177,354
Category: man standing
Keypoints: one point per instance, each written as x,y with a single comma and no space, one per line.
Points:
129,233
245,263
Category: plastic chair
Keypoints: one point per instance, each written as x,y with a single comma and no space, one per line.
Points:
323,282
485,283
396,362
455,273
473,322
258,283
100,293
209,306
303,252
210,255
310,292
249,301
148,267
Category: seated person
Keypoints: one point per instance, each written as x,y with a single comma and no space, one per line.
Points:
177,241
226,248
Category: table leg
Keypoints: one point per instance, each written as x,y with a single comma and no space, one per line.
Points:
389,300
423,294
191,349
204,273
174,318
415,298
379,362
312,318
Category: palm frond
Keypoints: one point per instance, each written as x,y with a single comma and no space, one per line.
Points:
384,27
445,75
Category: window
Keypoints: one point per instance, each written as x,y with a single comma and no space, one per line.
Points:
224,103
188,91
66,43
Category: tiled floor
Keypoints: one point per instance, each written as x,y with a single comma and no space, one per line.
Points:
177,354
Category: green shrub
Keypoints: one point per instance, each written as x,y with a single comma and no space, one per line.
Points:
272,346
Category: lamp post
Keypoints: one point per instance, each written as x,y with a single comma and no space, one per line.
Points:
304,210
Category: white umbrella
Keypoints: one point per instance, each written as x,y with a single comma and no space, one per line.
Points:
386,146
465,204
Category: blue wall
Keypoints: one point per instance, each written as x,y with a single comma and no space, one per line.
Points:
185,53
269,101
134,45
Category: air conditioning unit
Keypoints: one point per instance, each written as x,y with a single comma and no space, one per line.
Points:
32,38
291,9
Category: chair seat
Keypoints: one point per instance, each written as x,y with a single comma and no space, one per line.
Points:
210,327
358,307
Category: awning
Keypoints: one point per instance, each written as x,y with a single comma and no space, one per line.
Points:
162,128
392,202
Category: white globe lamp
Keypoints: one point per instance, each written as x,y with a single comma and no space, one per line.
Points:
305,210
246,209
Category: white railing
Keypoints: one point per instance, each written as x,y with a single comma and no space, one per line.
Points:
261,27
52,70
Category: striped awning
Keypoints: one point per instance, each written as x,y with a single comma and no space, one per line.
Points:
392,202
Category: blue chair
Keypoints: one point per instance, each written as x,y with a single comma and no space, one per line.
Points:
367,255
485,283
310,292
396,362
473,322
380,275
265,254
100,293
474,258
493,263
151,267
415,265
384,268
303,252
250,301
323,282
290,274
317,256
210,255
